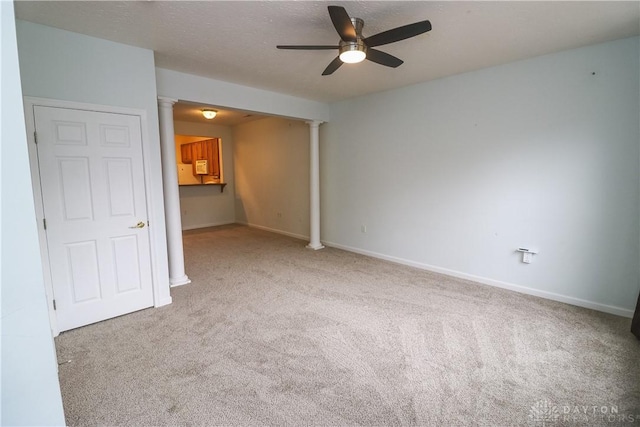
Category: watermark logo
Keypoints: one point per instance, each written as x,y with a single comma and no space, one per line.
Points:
543,413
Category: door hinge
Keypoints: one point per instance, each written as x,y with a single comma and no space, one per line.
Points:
35,136
54,305
44,222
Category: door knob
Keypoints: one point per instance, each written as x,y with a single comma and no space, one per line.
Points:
138,225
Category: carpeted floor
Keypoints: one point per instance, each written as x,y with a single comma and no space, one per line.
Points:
271,333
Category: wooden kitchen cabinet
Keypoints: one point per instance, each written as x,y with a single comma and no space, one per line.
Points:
208,150
185,153
213,155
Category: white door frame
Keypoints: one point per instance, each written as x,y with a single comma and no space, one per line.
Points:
155,230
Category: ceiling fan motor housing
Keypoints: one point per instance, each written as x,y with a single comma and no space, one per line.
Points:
358,44
358,24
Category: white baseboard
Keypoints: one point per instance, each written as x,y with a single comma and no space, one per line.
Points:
485,281
274,230
163,302
211,224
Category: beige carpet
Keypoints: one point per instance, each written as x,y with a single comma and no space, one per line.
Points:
271,333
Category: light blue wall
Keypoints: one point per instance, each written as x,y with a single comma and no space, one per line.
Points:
73,67
455,174
30,387
271,158
68,66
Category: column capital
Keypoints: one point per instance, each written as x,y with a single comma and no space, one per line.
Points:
314,123
163,100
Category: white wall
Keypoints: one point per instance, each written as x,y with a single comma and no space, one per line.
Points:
455,174
271,158
30,388
188,87
72,67
202,205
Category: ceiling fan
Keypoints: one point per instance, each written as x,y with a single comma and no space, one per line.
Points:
353,47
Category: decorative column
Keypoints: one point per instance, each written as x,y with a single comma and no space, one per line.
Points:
314,184
173,221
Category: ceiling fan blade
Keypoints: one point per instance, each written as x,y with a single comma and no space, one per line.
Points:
335,64
397,34
383,58
307,47
342,22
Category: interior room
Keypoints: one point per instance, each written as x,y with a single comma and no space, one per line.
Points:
445,233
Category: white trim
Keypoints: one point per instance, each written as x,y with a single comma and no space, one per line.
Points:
211,224
162,301
184,280
154,236
486,281
315,247
274,230
37,199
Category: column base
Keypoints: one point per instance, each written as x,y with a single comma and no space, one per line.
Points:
315,247
179,281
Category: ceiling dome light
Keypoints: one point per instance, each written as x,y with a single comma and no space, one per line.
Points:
353,52
209,114
352,56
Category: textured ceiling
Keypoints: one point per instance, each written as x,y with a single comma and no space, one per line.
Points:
235,41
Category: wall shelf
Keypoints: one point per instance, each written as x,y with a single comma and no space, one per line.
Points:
221,184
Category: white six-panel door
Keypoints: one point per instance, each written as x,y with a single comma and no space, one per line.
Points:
92,180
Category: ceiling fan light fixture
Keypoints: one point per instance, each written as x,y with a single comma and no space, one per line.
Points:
209,114
352,56
353,52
